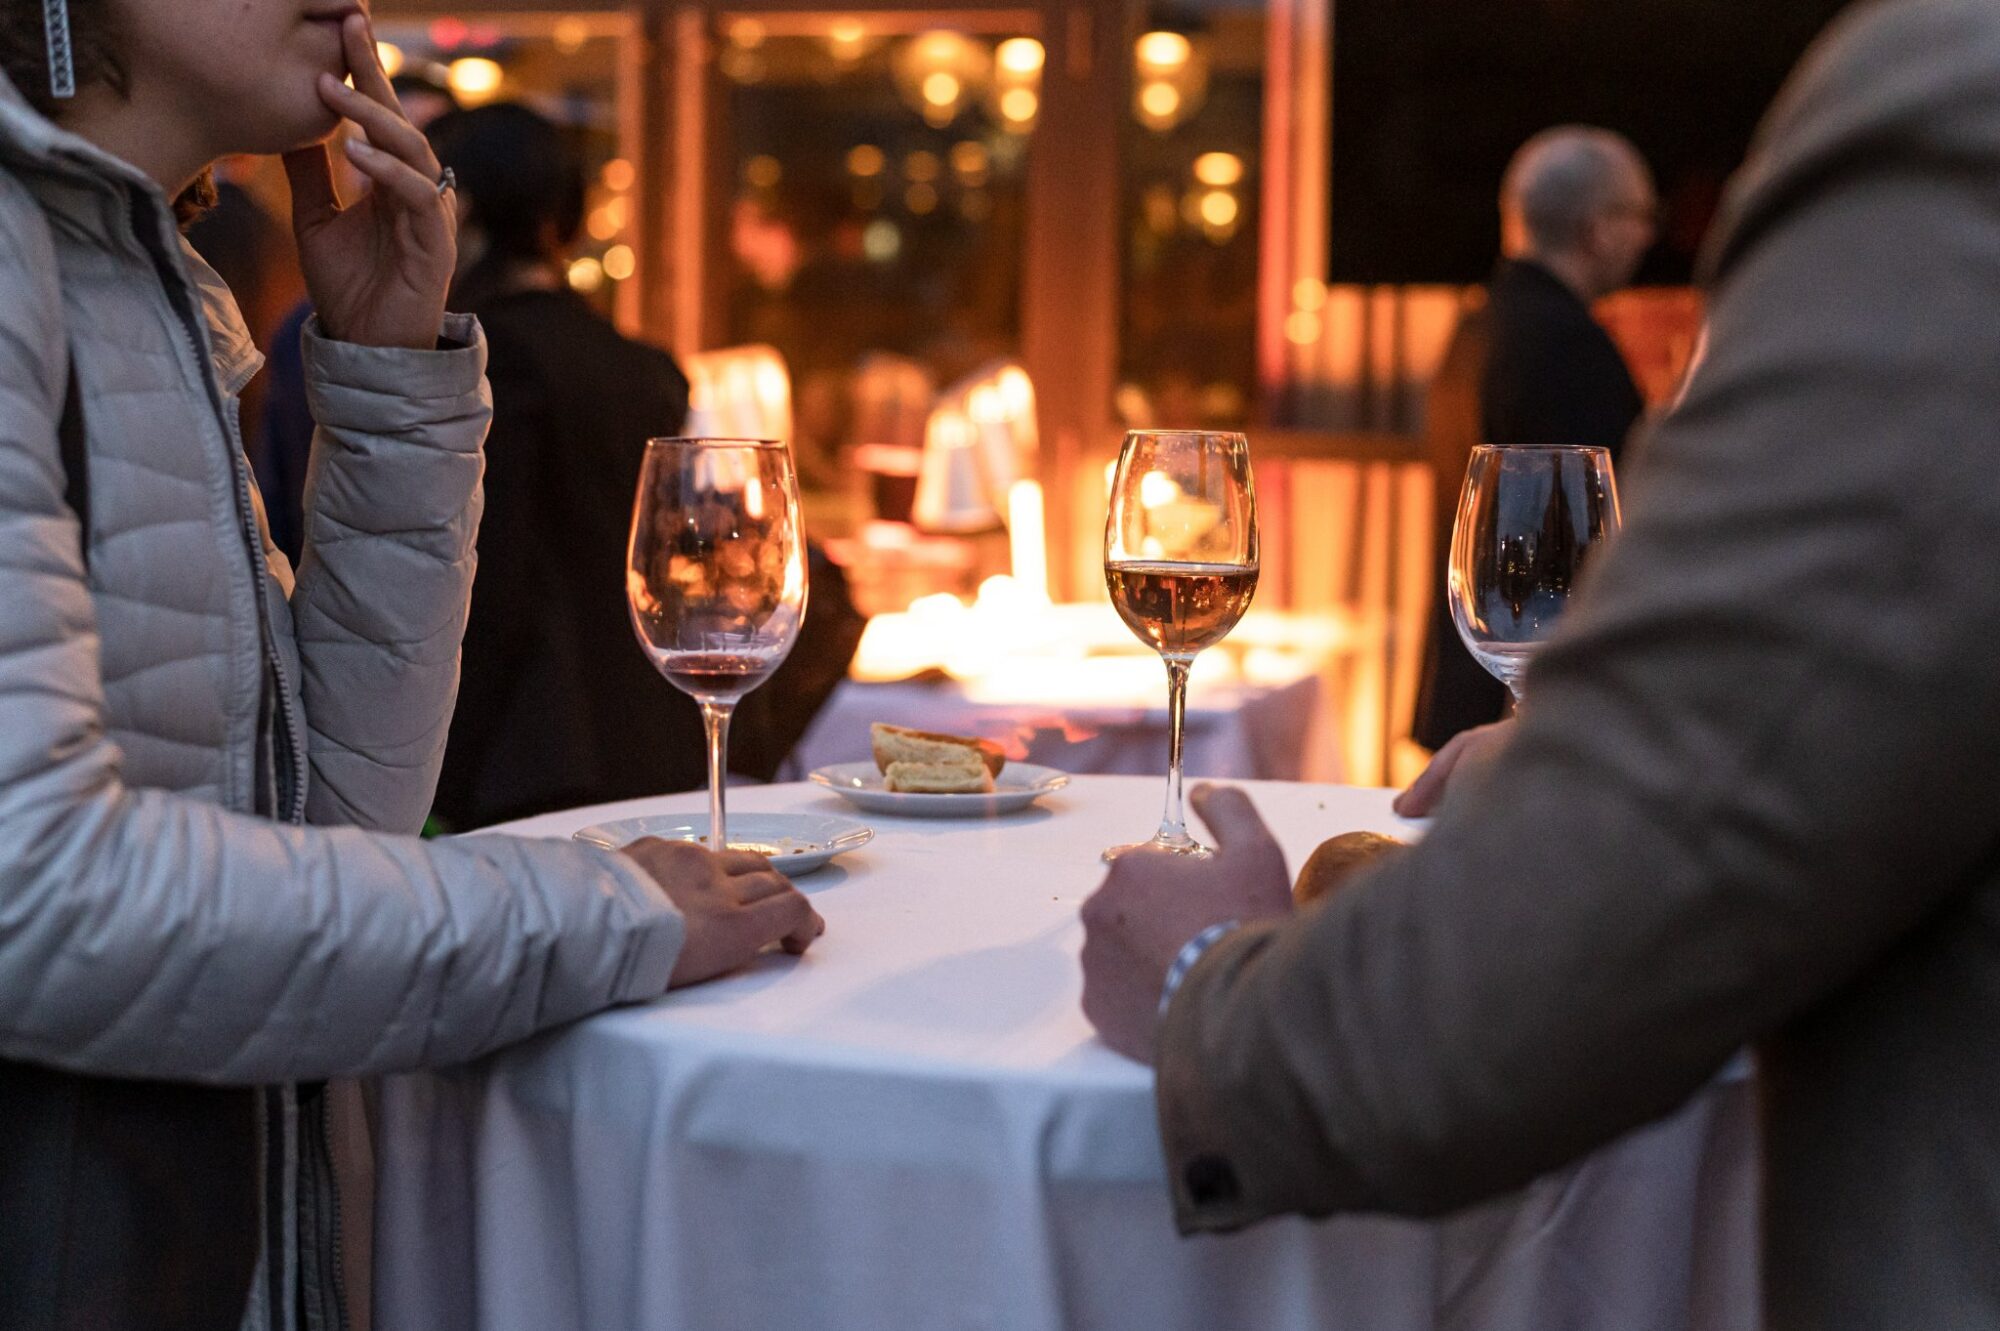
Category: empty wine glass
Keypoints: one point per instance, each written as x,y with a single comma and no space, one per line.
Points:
1529,520
1180,558
715,576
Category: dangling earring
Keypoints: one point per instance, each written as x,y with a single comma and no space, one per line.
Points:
62,61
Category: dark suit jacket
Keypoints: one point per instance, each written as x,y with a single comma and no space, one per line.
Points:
1757,797
1529,367
557,705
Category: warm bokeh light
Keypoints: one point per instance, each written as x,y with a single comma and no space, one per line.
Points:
1302,327
865,160
586,275
747,33
920,198
920,165
1020,56
763,171
1159,100
603,223
1164,51
881,242
570,35
847,41
941,89
618,174
1019,105
475,79
969,160
620,263
938,71
1157,489
1309,294
1218,169
391,56
1219,208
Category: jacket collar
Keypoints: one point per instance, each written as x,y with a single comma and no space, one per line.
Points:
31,140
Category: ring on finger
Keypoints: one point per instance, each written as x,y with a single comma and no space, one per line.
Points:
447,181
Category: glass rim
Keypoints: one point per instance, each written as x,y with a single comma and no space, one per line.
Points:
1541,448
1188,434
710,441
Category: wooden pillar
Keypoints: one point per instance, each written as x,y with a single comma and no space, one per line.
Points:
1297,166
1071,282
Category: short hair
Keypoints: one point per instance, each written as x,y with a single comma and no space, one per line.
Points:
1564,179
519,176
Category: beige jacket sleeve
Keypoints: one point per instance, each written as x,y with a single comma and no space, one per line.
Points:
1763,750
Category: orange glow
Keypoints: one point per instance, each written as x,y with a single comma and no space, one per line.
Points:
1020,56
475,79
1159,100
1166,51
1218,169
941,89
1219,208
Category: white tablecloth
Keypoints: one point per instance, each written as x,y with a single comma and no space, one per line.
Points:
1234,732
913,1127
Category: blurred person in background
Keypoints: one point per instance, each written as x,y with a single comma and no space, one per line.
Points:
558,706
213,760
1531,365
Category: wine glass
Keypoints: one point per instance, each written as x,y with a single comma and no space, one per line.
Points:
715,576
1180,558
1529,520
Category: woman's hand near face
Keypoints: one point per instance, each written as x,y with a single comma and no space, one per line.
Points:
377,270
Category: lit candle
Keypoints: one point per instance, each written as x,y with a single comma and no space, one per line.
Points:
1027,539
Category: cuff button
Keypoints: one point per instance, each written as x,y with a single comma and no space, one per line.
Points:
1211,1181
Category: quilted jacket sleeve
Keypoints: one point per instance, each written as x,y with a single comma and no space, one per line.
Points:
392,507
145,934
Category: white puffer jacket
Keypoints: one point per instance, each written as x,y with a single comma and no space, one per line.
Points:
155,704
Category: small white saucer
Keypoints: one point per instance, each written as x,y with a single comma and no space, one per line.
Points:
797,843
1017,786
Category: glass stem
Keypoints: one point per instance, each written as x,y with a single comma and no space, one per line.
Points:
715,718
1173,823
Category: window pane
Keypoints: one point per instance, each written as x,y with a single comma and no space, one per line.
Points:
876,210
1187,347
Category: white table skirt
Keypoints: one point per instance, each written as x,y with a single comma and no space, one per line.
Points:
912,1127
1236,732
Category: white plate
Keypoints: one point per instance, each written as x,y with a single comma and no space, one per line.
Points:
797,843
1017,786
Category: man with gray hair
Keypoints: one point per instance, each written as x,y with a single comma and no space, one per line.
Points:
1531,366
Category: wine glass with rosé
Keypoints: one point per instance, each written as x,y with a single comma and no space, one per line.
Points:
715,575
1180,559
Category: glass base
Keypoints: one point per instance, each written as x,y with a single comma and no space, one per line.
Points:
1188,848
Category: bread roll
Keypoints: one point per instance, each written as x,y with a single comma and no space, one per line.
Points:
894,744
1337,860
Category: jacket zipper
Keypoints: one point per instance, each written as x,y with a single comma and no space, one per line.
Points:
336,1279
175,282
178,297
